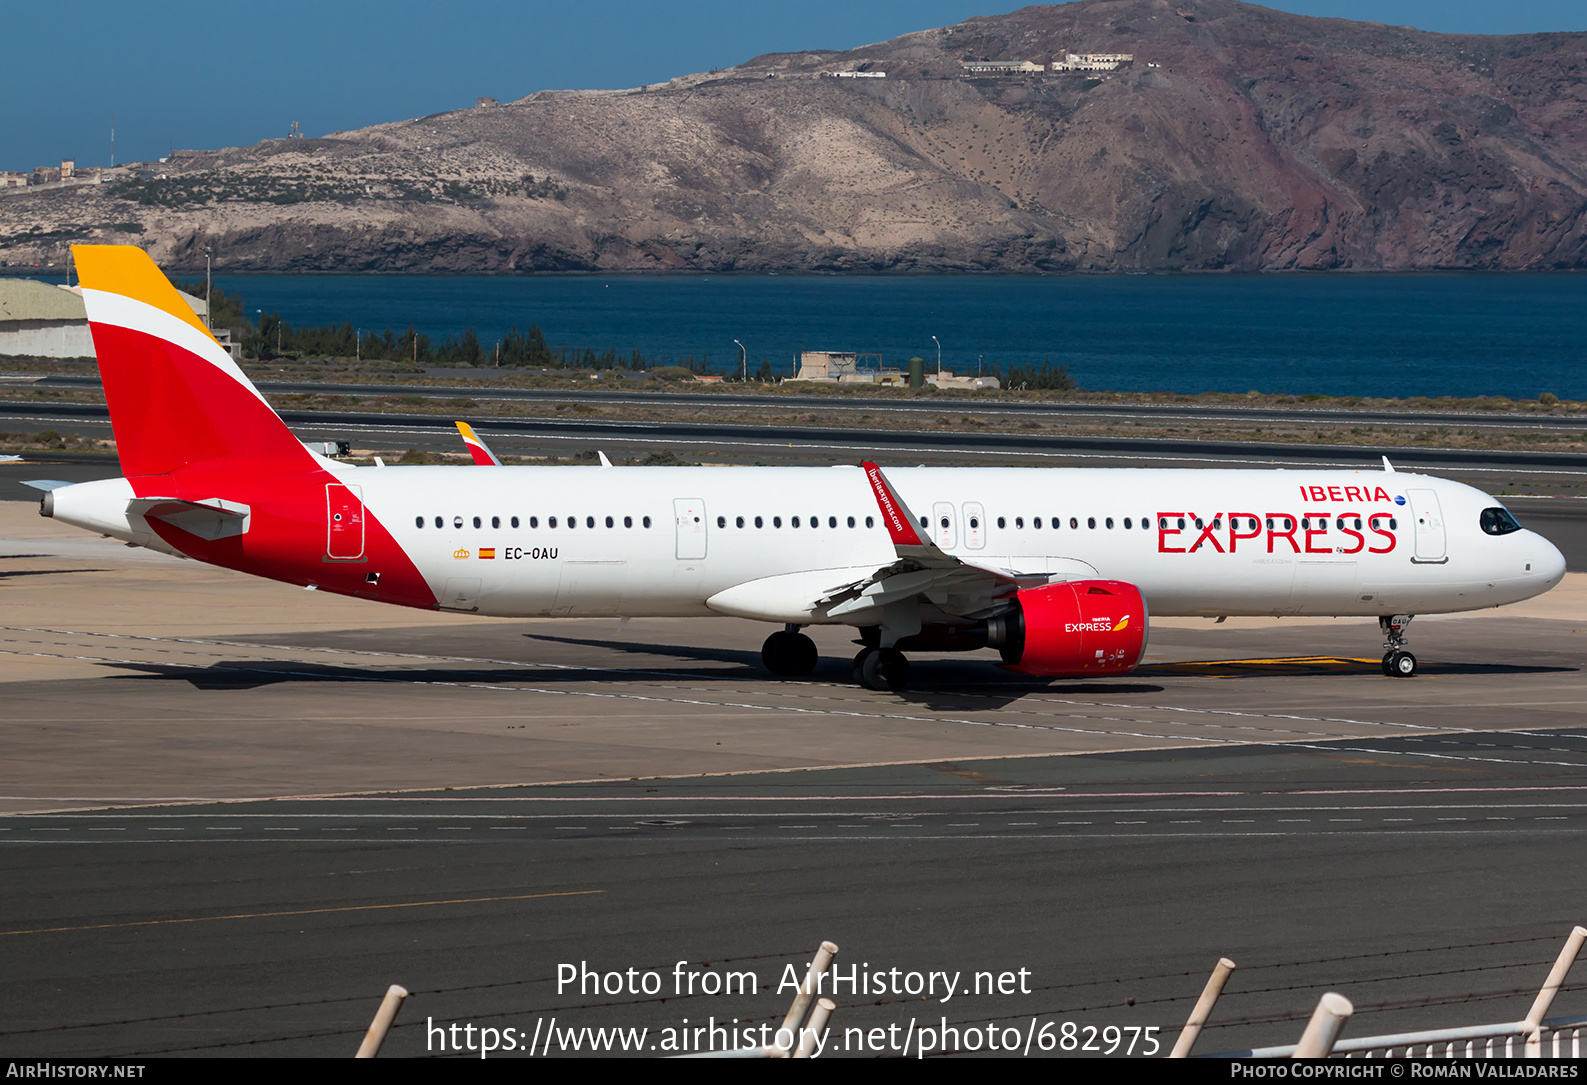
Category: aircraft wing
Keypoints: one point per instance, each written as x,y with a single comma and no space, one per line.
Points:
920,571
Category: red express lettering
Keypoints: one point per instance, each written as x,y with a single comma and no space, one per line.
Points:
1163,531
1235,534
1207,536
1313,532
1373,524
1283,526
1360,539
1288,536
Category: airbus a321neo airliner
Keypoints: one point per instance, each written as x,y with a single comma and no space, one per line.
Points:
1055,569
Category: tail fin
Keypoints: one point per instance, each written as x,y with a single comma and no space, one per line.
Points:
483,456
175,396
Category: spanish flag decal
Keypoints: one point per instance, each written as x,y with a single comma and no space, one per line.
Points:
487,552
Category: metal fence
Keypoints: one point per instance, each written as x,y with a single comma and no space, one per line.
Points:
1531,1037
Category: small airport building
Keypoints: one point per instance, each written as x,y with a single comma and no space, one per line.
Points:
43,320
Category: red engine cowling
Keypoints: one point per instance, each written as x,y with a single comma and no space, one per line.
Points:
1080,627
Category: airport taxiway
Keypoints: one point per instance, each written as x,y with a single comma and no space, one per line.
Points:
235,811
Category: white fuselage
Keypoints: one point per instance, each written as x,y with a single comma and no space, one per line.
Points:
1268,542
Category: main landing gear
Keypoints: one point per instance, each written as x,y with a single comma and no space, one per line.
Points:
789,653
1397,663
881,669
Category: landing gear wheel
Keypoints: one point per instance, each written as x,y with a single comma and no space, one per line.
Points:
792,655
1402,665
859,664
884,669
1388,669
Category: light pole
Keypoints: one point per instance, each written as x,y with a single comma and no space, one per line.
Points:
939,355
743,361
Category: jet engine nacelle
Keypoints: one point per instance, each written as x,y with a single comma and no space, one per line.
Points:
1079,627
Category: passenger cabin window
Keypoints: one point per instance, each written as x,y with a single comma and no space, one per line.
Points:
1498,521
515,521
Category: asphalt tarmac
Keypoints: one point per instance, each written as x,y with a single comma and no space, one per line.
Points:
235,812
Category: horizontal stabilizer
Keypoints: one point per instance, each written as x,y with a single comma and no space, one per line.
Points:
213,518
45,484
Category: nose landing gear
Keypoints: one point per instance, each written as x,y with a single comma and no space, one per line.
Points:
1397,663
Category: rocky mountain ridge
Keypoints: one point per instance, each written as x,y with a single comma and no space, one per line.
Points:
1238,138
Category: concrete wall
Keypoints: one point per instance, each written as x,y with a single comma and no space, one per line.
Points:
46,339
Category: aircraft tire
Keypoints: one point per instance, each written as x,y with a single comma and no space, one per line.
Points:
1403,664
1388,670
802,655
885,670
774,653
859,665
790,655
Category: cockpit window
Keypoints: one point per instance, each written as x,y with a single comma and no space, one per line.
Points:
1498,522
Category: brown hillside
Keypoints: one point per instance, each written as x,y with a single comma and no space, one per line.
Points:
1239,137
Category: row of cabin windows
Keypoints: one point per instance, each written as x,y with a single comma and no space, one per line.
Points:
534,521
794,521
1057,522
1284,523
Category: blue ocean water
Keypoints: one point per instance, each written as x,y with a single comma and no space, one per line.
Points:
1460,334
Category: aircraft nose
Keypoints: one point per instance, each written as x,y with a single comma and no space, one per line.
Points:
1549,561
